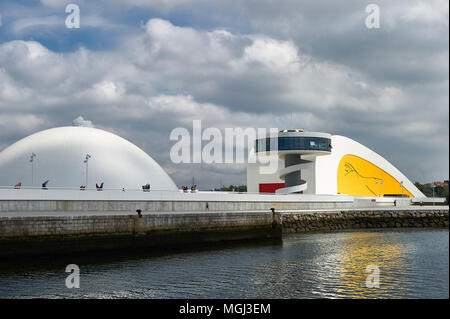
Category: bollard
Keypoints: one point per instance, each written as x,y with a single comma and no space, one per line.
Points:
274,222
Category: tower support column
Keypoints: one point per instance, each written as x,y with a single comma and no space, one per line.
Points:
294,178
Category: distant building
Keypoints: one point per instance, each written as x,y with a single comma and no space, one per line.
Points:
441,184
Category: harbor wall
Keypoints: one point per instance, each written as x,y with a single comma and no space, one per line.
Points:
36,235
159,205
300,222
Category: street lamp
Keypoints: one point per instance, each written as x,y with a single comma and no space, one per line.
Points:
376,182
432,187
87,167
401,185
382,188
33,155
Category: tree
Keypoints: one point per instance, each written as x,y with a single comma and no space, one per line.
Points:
234,188
439,191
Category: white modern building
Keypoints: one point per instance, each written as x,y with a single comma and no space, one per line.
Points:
75,156
324,164
325,167
72,157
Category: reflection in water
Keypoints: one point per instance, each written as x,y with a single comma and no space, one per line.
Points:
362,249
413,263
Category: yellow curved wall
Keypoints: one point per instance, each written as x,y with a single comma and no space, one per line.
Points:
356,176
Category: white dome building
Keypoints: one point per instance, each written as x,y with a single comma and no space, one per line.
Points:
60,155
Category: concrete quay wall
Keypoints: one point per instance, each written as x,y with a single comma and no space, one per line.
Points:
35,235
160,205
300,222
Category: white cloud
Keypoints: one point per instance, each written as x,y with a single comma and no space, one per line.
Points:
18,123
158,5
57,4
30,50
430,12
20,25
108,91
165,41
185,106
10,90
276,55
80,121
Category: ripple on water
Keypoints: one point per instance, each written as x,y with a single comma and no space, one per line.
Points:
411,263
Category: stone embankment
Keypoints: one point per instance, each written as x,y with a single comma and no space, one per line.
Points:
298,222
53,233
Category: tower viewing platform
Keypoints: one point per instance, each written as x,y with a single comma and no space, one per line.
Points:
290,145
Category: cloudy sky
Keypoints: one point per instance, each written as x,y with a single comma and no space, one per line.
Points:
141,68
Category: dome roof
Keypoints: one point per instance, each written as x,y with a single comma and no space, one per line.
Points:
60,154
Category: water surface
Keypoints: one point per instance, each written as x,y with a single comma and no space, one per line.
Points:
412,263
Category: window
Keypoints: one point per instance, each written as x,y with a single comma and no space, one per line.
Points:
288,143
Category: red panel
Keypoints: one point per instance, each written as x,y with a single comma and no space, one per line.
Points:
270,187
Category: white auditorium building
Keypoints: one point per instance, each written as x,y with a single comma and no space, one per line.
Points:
324,164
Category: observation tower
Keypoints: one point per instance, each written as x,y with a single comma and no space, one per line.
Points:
291,145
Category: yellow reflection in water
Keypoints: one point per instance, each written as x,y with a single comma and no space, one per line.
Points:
361,249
